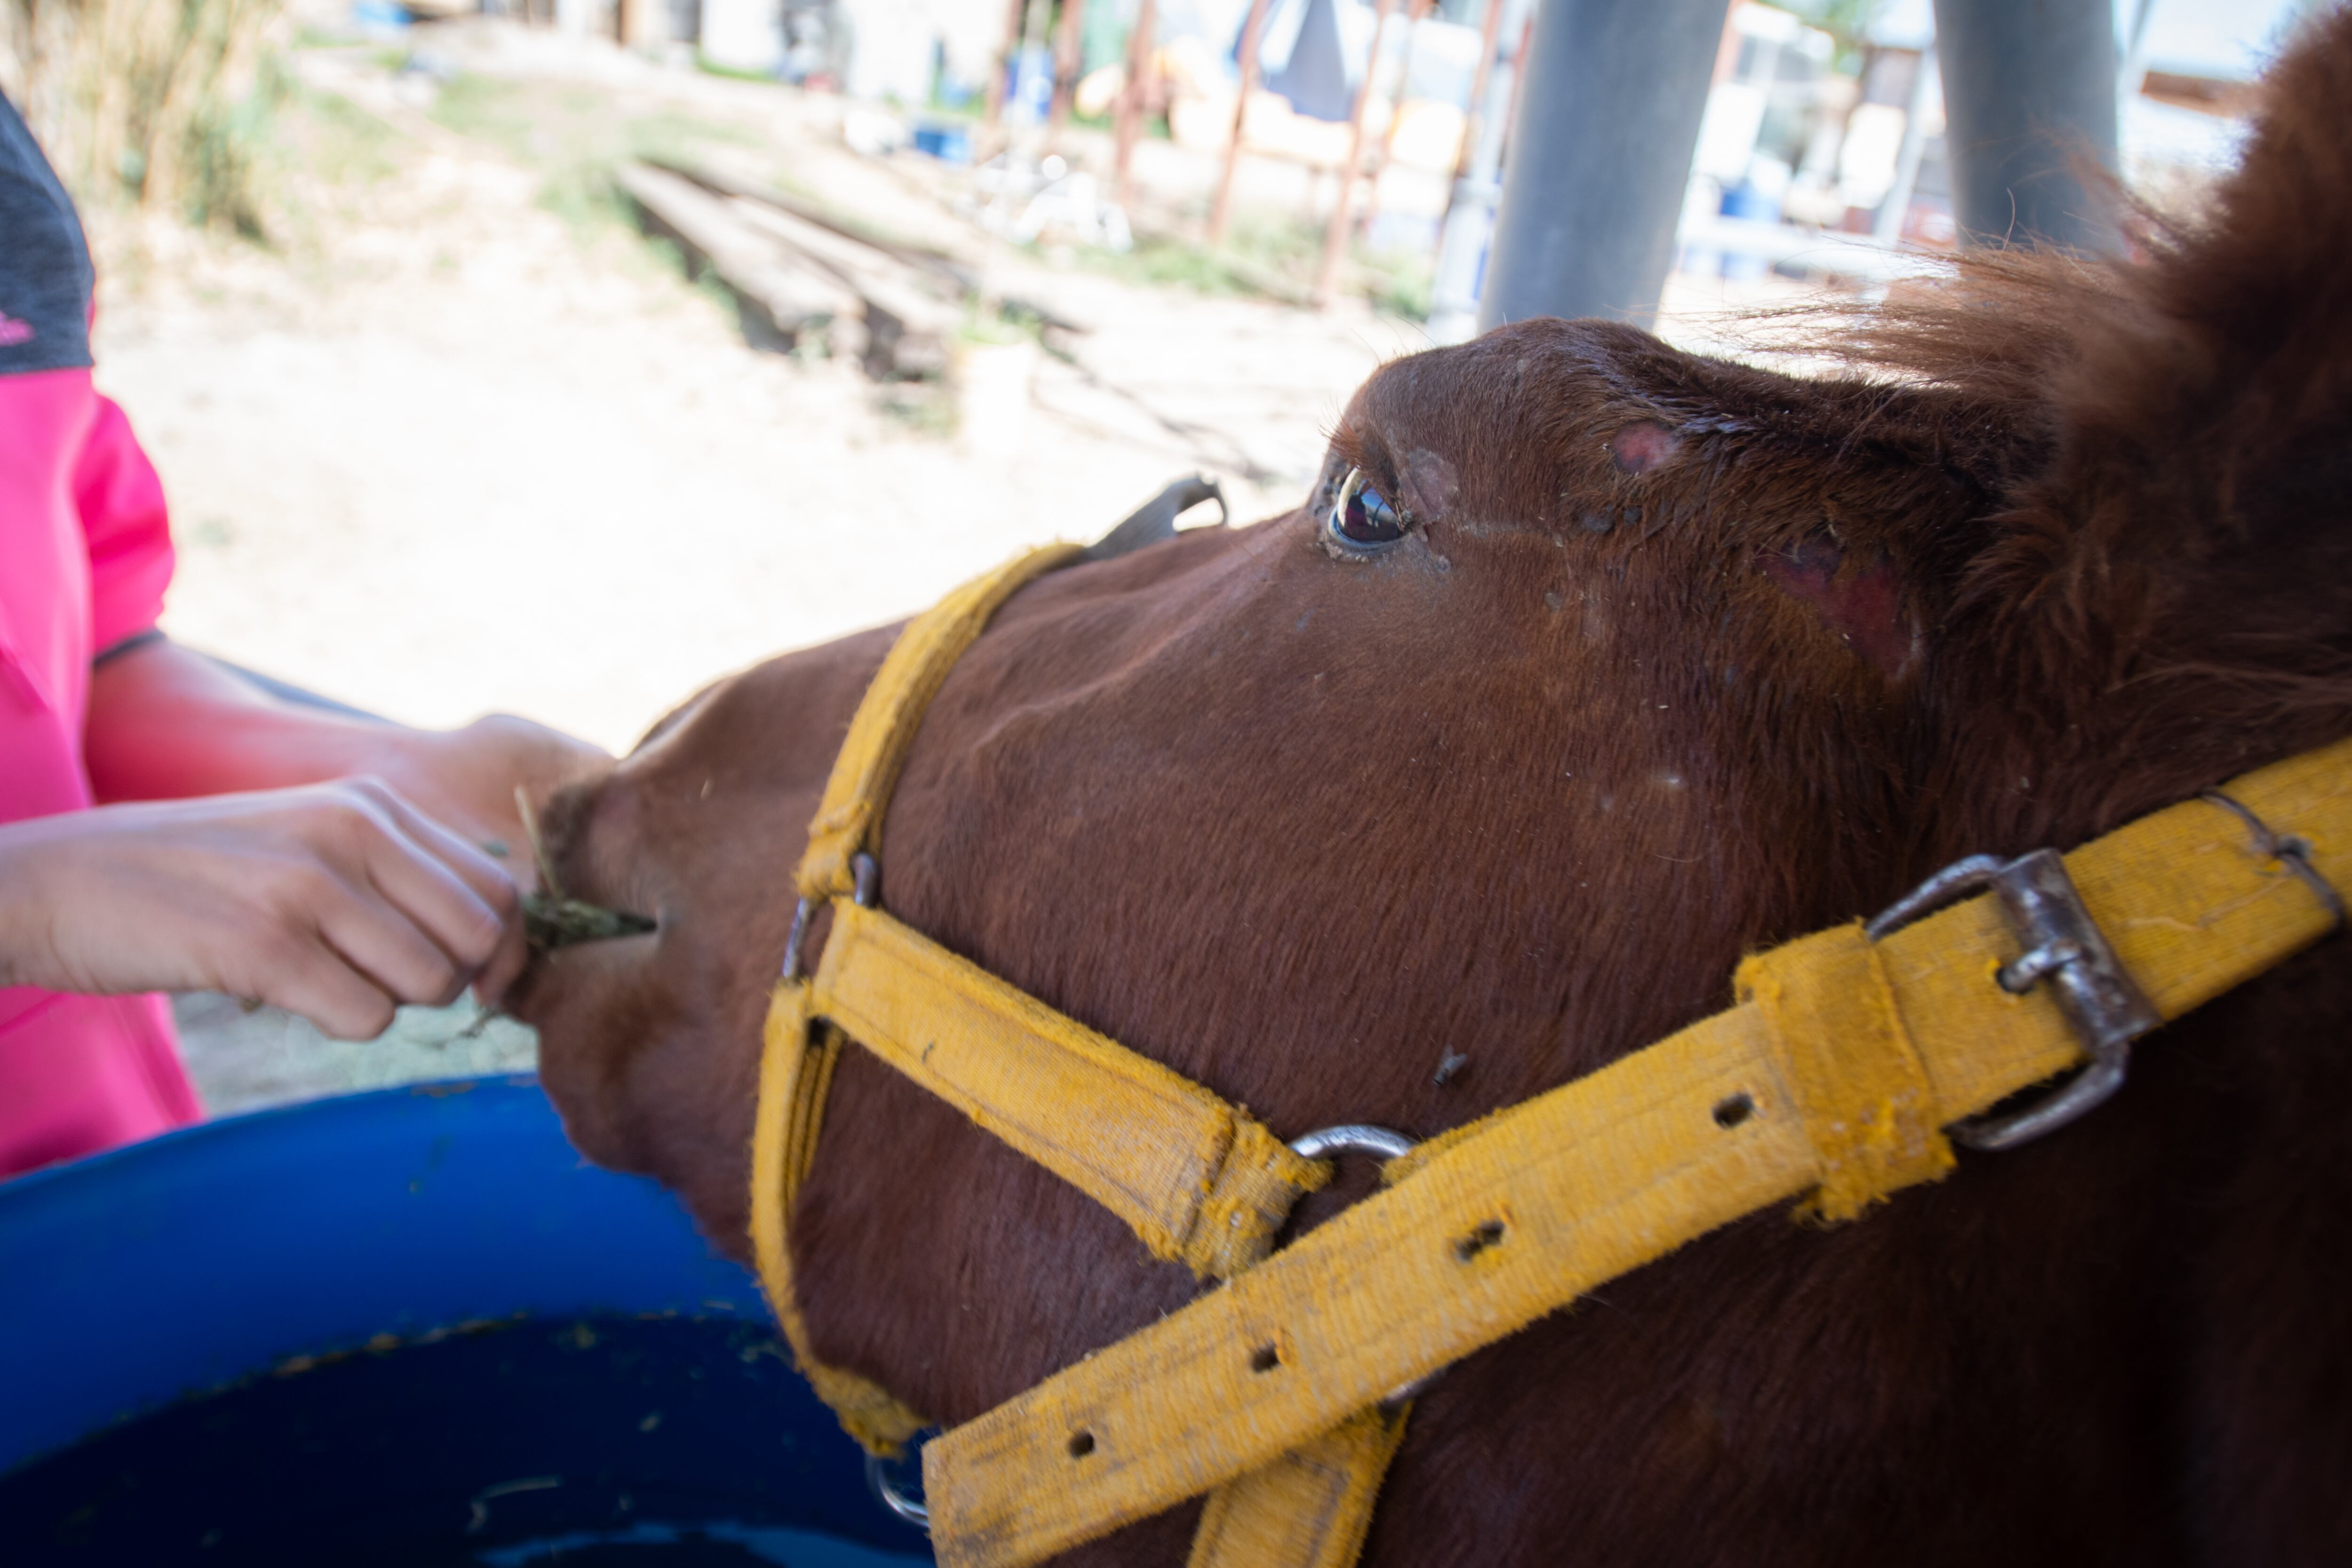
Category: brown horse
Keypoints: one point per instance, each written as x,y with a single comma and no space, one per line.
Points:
1612,665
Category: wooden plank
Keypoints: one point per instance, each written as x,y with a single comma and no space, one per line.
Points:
794,296
948,268
908,325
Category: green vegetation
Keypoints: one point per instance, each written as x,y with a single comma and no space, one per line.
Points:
1271,258
710,66
145,104
572,134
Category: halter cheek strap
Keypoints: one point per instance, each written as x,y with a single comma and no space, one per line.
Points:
1832,1082
1199,1180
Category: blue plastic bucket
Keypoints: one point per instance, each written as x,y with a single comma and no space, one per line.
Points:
408,1328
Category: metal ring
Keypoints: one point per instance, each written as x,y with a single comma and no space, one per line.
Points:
1359,1137
911,1511
2293,852
1351,1138
866,874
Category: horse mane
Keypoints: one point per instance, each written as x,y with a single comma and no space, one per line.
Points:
2170,534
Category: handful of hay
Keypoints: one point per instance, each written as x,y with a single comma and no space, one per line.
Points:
550,920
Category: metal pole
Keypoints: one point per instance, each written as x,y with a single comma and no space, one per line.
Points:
1601,156
2029,91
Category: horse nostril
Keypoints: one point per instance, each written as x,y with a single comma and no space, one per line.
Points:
1081,1444
1266,1358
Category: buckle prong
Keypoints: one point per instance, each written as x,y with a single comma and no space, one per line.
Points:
2063,946
865,875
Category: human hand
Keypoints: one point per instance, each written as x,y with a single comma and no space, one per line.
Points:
468,778
337,901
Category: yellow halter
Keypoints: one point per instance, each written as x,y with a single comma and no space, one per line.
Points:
1832,1080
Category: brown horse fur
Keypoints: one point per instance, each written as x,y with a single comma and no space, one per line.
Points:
1678,658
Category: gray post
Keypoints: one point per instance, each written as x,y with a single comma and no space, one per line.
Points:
1600,158
2028,88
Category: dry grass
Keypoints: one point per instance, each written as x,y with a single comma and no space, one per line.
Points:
154,103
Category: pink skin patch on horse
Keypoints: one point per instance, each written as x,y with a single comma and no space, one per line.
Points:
1642,446
1863,606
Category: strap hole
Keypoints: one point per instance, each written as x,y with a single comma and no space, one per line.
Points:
1081,1444
1266,1358
1730,1113
1487,1235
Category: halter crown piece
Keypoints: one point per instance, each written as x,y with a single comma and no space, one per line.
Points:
1831,1081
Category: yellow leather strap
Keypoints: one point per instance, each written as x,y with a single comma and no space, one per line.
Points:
799,1048
849,816
1498,1223
1309,1509
1198,1179
1852,1072
1194,1178
796,1072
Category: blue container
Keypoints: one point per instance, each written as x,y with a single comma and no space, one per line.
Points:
948,144
405,1327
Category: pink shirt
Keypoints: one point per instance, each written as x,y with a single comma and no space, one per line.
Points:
85,555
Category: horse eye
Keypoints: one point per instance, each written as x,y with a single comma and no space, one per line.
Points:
1363,518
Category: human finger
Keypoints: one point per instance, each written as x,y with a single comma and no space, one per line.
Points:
297,968
495,968
422,891
493,883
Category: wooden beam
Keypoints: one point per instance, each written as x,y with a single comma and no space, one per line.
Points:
1396,114
1130,102
1069,55
1335,237
794,296
993,94
1253,32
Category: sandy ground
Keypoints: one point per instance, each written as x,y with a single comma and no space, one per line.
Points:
459,440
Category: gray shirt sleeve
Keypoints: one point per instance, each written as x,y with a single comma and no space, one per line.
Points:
44,268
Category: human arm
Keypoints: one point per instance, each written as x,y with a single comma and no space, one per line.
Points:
165,723
336,901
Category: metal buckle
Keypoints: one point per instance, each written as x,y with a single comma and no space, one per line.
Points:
868,889
2063,946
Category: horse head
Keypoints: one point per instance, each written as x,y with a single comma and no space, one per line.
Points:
1587,666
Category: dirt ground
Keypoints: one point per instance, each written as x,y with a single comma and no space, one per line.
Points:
456,438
